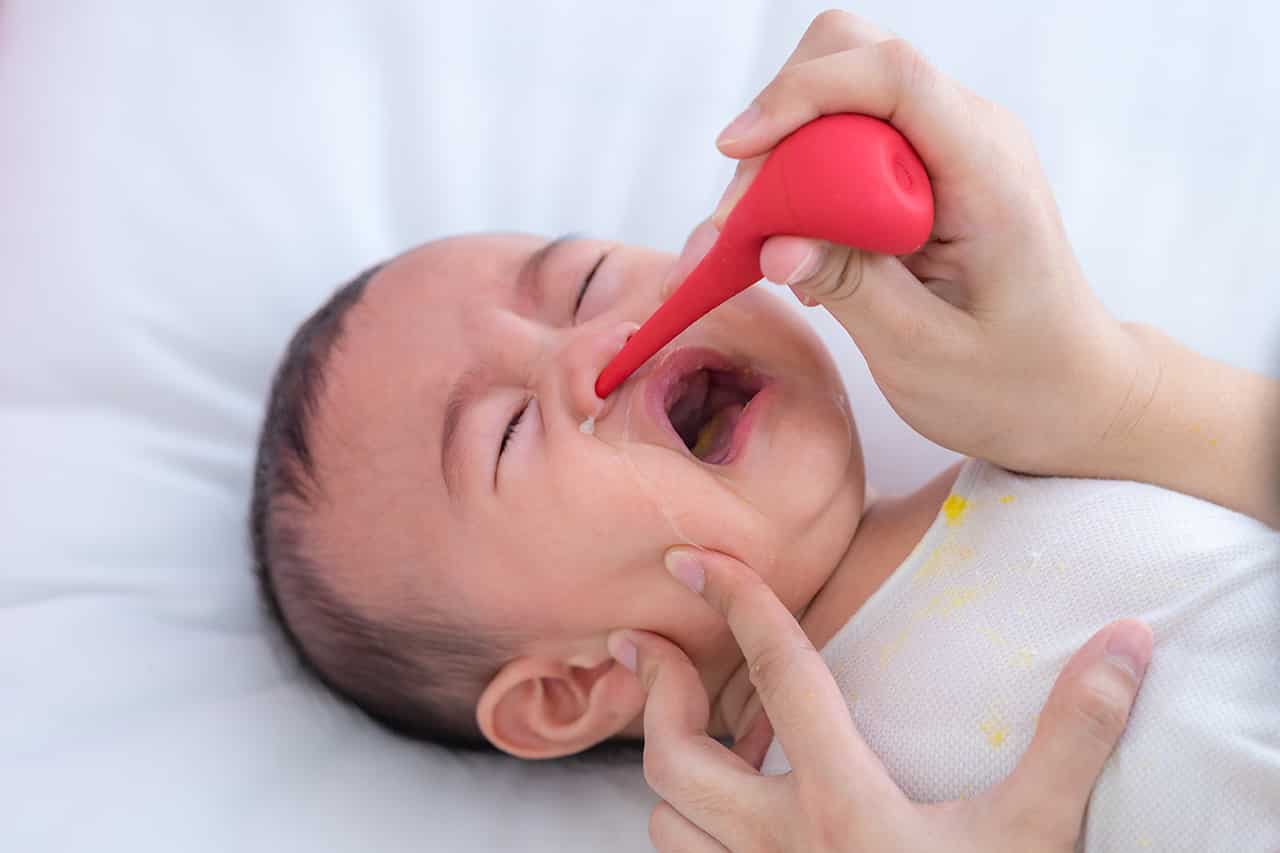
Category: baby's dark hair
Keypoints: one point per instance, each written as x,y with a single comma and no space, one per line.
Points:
419,676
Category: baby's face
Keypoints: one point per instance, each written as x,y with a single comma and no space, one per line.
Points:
458,474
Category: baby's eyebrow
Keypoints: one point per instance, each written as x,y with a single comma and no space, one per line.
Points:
460,396
529,279
528,286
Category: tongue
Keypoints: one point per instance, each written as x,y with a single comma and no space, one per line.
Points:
717,434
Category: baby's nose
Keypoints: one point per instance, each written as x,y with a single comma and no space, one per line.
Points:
586,356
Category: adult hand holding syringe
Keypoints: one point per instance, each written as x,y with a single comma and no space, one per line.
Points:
988,339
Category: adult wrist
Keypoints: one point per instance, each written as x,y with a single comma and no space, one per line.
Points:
1133,445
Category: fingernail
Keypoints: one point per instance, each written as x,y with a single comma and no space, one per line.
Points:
740,126
1129,646
622,649
808,265
700,241
729,197
687,569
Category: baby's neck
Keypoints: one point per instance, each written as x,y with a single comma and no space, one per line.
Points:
884,537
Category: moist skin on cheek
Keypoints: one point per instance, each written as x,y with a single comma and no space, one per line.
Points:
588,427
809,384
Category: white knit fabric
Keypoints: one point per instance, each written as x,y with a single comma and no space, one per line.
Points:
946,667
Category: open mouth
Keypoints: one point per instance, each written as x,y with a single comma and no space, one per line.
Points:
705,406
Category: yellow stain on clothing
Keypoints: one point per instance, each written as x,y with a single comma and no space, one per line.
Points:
890,649
1006,499
1022,658
953,508
950,600
887,652
993,635
995,730
942,559
1144,841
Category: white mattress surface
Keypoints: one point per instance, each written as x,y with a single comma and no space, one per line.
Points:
183,183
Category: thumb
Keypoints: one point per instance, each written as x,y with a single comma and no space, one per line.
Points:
875,297
1082,721
752,744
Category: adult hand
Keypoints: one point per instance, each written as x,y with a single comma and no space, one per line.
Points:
988,339
838,795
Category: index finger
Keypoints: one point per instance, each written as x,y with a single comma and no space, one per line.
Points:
833,31
676,710
799,694
700,777
890,80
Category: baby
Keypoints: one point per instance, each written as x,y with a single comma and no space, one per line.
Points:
448,540
447,545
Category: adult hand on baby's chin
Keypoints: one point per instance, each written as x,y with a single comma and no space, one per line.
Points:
988,339
838,795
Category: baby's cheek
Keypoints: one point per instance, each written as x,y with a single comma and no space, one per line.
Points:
761,316
633,496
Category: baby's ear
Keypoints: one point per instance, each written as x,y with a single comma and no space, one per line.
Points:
545,707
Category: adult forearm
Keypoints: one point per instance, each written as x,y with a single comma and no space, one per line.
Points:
1201,427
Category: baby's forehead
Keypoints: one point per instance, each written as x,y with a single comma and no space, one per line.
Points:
472,261
404,332
378,415
416,301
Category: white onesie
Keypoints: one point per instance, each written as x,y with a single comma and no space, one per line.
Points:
947,665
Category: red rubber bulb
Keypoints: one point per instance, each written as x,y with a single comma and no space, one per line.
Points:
847,179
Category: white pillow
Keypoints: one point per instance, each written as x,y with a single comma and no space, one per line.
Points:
183,184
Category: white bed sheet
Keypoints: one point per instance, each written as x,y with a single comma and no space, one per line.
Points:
182,183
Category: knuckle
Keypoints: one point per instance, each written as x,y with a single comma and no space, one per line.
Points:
1102,707
658,766
709,805
905,61
915,76
771,667
914,337
662,824
746,593
1026,821
851,274
827,820
832,21
1035,822
735,585
786,86
647,670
